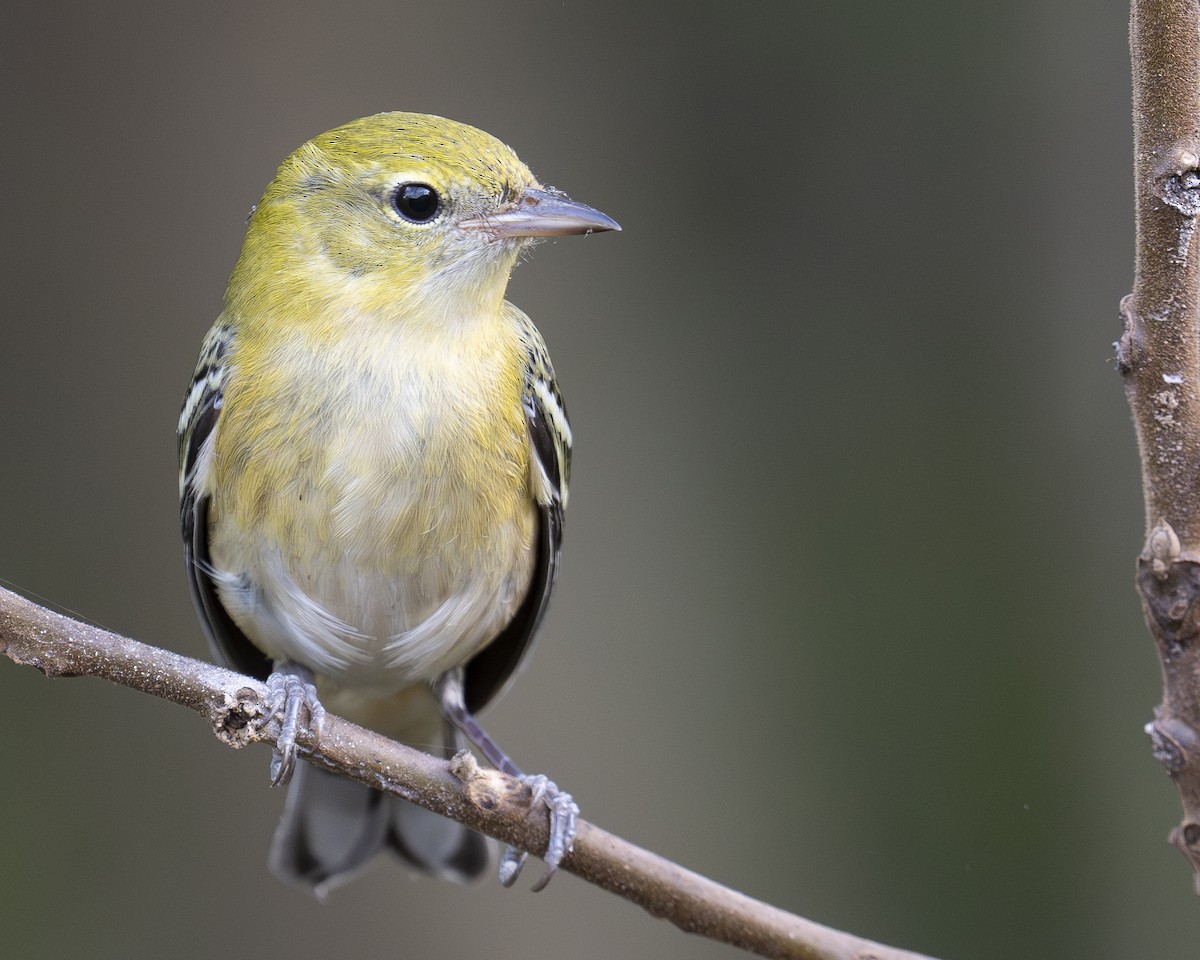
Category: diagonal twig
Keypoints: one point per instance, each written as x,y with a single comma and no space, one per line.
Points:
485,800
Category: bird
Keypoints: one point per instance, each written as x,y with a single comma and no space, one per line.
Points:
374,467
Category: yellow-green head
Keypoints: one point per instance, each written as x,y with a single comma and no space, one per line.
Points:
397,212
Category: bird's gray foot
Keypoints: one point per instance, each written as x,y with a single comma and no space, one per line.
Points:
564,811
291,690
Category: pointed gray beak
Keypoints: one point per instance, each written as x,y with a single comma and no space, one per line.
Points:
540,213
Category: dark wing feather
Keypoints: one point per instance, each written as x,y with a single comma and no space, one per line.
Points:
197,422
489,671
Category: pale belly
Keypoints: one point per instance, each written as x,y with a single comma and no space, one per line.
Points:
375,626
399,544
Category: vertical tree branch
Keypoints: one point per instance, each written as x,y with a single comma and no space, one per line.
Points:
1159,358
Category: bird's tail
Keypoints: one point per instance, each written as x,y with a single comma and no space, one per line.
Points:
332,826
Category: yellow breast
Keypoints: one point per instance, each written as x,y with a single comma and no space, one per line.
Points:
380,508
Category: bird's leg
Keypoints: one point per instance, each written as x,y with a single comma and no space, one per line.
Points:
291,688
563,809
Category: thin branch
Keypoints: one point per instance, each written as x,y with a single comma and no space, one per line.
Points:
1159,358
485,800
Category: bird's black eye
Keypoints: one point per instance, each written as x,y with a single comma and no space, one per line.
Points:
417,202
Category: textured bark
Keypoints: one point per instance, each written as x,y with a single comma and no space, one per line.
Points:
1159,358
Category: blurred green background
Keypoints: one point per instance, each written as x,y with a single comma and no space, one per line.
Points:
847,617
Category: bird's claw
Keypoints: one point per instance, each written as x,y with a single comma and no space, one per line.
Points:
511,862
288,694
564,811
